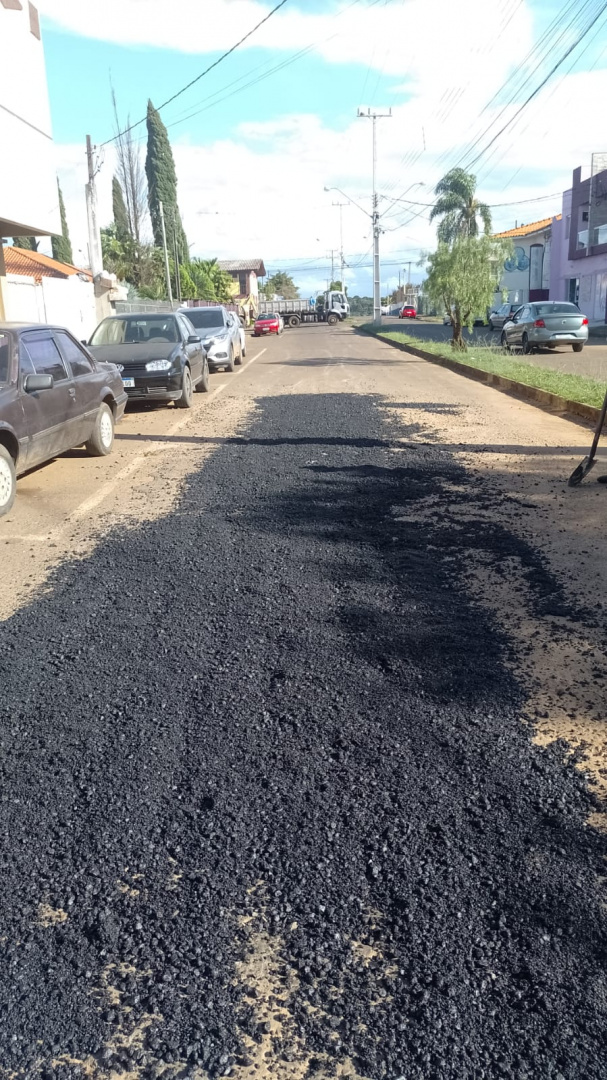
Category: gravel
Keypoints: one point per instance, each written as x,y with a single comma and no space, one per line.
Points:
280,702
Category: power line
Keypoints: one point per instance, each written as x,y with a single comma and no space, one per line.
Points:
202,73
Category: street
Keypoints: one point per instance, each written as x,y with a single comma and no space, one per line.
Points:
303,743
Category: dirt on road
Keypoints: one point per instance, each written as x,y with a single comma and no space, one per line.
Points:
302,758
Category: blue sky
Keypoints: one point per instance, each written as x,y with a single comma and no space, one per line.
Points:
253,160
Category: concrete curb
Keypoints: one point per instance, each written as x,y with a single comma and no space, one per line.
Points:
589,414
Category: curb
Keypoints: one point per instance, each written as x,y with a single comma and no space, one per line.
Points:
542,398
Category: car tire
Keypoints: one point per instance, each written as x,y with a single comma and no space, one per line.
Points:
187,391
230,366
491,326
294,321
102,439
244,351
526,345
8,481
579,345
202,387
332,320
239,361
504,342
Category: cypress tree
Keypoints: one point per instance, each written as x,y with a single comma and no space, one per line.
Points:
61,245
121,218
28,243
162,186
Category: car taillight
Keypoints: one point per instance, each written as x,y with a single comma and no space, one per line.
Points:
540,323
584,322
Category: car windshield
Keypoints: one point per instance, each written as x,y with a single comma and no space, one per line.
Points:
4,357
135,329
205,318
265,318
557,309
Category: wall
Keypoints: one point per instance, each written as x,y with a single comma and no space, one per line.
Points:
531,269
28,189
65,302
590,272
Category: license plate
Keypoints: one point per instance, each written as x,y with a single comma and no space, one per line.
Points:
562,335
129,384
265,330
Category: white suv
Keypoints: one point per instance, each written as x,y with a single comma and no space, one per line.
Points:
220,333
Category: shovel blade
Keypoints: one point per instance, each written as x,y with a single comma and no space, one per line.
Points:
581,471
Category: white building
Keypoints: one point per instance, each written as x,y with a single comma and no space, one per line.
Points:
29,203
525,276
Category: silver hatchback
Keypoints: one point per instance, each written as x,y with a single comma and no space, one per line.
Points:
547,324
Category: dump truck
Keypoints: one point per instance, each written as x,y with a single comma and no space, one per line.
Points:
328,307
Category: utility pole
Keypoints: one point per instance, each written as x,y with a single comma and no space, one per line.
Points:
375,116
96,258
176,254
341,242
166,254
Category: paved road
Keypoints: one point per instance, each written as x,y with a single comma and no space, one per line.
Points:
592,362
271,804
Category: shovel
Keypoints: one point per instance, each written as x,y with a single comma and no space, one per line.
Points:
589,462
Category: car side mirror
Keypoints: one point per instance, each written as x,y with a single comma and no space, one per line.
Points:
83,341
193,339
35,383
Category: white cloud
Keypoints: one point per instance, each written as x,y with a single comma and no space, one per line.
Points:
259,191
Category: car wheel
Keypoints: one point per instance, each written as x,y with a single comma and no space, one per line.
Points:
579,345
203,386
231,364
187,392
102,439
8,481
332,320
244,351
294,321
504,342
527,346
491,326
239,361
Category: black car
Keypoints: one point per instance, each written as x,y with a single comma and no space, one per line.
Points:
53,396
160,357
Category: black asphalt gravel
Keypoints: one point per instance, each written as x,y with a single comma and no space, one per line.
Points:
281,696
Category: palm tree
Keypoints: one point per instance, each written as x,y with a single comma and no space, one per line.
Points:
458,208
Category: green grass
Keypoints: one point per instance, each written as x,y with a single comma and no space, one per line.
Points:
572,387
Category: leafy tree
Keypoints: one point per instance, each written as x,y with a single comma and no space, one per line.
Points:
188,287
61,245
28,243
280,284
121,219
458,208
461,279
162,187
361,305
213,282
130,175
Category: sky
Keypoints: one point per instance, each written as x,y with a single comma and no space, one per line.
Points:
258,139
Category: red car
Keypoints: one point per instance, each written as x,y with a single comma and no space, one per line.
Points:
408,312
268,324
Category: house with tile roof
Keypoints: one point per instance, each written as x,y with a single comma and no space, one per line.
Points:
525,275
245,274
37,288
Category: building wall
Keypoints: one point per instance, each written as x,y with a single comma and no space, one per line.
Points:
66,302
583,280
29,203
528,270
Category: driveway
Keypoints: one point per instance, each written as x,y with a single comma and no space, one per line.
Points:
302,738
592,361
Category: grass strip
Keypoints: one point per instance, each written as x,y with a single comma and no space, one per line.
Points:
572,387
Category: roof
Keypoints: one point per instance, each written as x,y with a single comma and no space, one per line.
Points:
35,264
243,264
528,230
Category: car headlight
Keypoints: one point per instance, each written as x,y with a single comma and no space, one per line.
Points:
158,365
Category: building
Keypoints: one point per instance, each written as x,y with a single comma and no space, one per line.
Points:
525,275
579,263
40,289
245,274
29,203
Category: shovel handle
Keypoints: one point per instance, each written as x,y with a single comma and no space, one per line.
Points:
598,430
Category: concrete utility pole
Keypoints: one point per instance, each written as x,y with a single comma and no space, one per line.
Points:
95,255
341,242
166,254
375,116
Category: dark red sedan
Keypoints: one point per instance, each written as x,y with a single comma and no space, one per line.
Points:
407,312
268,324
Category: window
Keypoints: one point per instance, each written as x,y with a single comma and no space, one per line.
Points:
134,329
557,309
34,21
45,355
78,361
567,226
206,318
185,326
243,283
5,356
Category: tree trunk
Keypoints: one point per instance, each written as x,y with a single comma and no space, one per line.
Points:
457,341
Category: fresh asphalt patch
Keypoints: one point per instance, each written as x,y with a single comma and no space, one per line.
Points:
277,707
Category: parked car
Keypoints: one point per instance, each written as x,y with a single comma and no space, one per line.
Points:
240,327
478,321
53,396
502,315
268,323
547,323
220,333
407,312
160,357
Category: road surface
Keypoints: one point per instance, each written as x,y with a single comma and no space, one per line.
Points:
302,749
